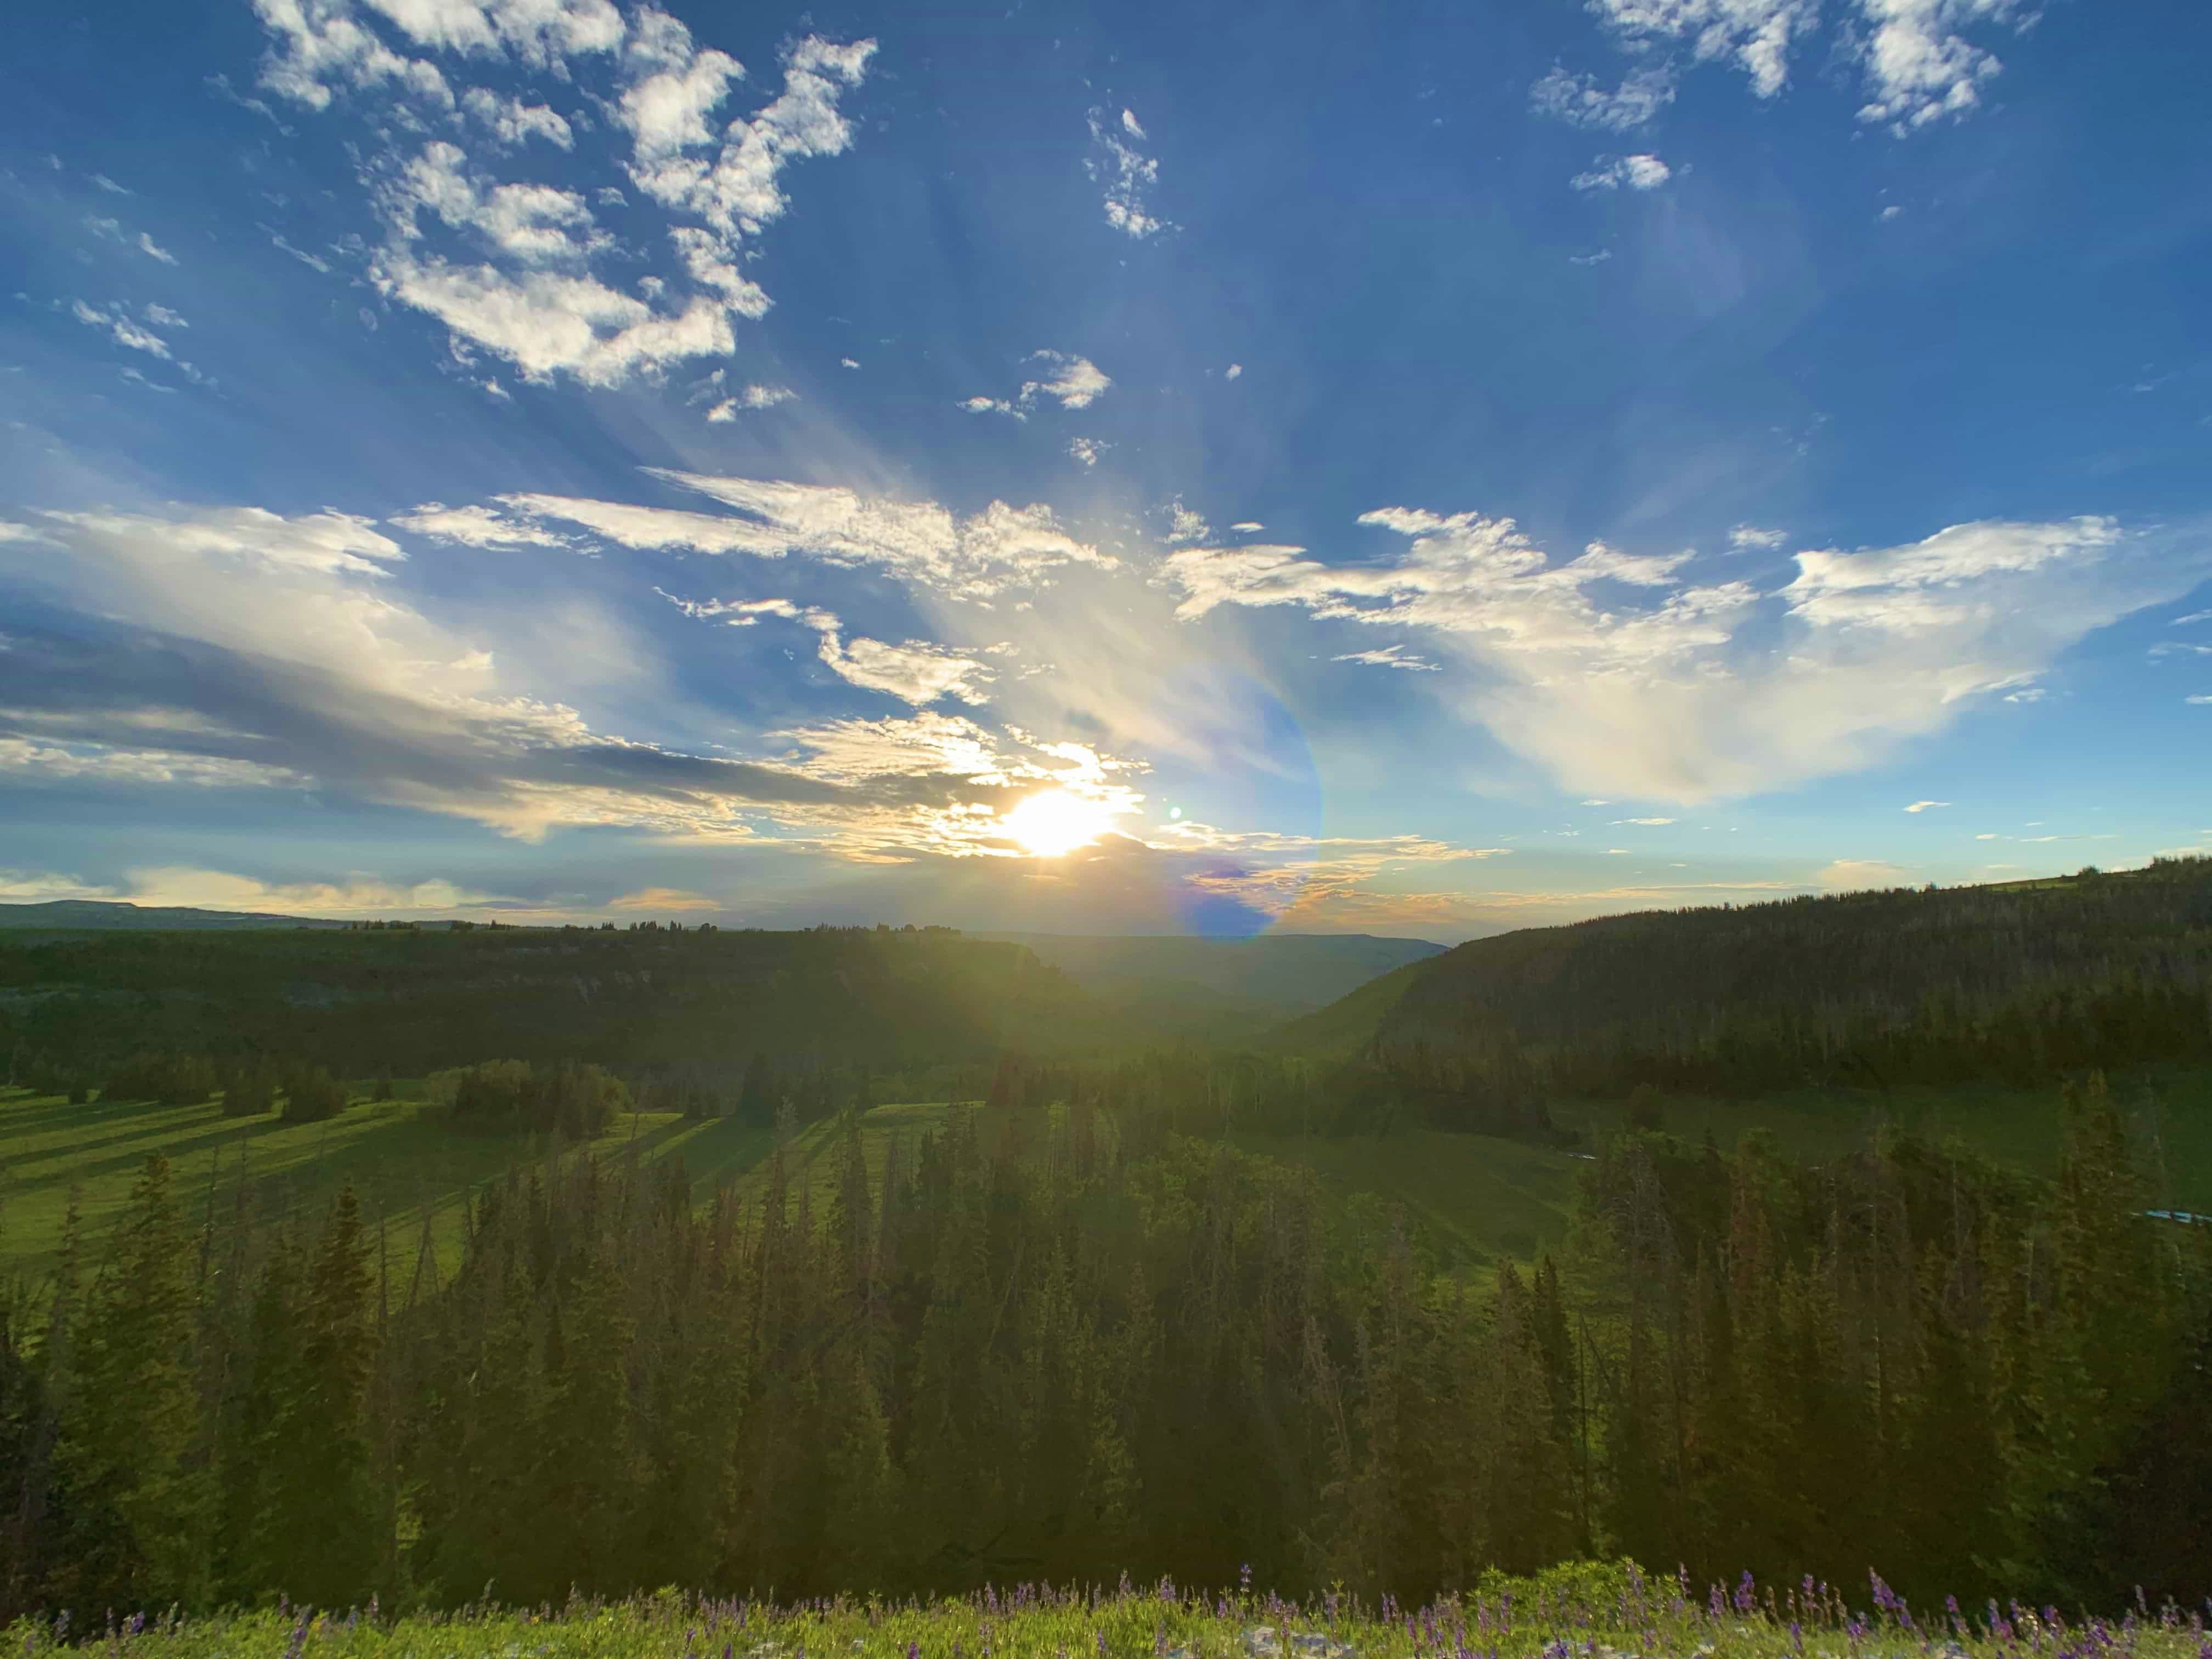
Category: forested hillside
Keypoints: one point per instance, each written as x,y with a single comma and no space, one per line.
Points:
2013,983
1067,1343
404,1002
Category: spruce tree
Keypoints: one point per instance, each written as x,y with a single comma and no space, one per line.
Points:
130,1434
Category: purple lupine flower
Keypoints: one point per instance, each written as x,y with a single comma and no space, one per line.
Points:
1715,1605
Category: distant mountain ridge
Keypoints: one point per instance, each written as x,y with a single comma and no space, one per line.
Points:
1287,974
120,913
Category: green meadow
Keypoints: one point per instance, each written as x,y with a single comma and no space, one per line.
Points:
1473,1200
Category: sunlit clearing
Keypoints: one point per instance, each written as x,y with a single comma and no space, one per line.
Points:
1055,822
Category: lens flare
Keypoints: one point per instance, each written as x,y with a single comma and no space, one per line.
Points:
1053,821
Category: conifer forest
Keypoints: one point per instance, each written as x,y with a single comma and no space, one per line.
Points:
1069,1332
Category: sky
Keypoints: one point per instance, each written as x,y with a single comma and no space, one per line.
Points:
1128,468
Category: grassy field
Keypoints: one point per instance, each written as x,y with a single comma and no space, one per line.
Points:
398,1155
2169,1111
1565,1612
1474,1200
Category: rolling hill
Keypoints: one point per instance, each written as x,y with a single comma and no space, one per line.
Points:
2003,983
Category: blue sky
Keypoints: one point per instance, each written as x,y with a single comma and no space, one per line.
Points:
1132,468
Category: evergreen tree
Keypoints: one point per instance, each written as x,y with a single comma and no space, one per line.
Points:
130,1433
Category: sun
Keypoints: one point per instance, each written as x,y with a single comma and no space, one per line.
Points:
1053,821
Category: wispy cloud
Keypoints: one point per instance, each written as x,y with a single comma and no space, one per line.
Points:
120,329
1390,656
974,558
1619,171
1579,99
753,397
1127,174
1684,695
289,660
919,671
1926,806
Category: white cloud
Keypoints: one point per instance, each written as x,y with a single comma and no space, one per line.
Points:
1129,125
1649,824
215,889
1596,258
1755,34
1892,211
663,901
1579,99
1186,525
1919,66
112,230
847,363
1390,656
163,317
1916,59
309,668
1087,450
475,527
1613,172
120,328
1926,806
2194,616
921,543
37,887
2179,648
919,671
1233,372
512,123
78,757
753,397
1747,536
2197,700
1706,690
522,285
1076,381
1247,527
110,185
1127,174
311,261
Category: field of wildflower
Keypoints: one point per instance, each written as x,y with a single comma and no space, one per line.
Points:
1584,1611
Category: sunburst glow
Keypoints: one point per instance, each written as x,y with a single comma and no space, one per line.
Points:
1055,821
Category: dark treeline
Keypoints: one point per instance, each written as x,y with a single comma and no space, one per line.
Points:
1999,984
405,1002
1061,1339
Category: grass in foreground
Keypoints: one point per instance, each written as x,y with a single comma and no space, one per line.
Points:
1584,1611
